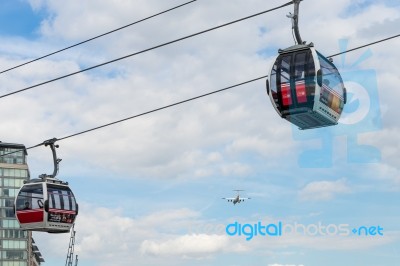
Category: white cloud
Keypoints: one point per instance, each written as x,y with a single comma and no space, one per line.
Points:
105,235
387,175
337,242
200,245
324,190
325,243
235,169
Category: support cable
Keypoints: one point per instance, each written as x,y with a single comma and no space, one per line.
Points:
146,50
98,36
141,114
190,99
365,45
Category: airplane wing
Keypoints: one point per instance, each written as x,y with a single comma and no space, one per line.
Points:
242,199
229,199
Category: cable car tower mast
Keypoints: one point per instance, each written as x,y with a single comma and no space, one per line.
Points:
70,254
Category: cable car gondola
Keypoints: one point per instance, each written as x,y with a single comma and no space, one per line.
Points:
46,204
305,87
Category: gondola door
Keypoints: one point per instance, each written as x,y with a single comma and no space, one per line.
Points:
295,82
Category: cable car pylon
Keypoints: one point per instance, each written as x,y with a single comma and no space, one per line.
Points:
71,247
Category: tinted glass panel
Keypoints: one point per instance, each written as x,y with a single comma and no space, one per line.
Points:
332,91
273,80
30,197
299,66
61,197
304,75
330,76
285,69
62,205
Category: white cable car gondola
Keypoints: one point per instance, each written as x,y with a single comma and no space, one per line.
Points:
305,87
46,204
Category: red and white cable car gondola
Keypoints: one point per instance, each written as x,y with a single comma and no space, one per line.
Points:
46,204
305,87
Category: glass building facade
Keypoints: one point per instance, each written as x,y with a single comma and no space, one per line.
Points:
17,247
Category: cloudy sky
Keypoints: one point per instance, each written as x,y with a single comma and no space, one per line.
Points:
150,188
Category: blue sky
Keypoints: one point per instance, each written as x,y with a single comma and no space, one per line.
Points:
19,19
144,184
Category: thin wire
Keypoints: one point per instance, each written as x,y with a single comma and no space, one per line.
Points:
146,50
187,100
12,152
161,108
98,36
142,114
365,45
203,95
167,106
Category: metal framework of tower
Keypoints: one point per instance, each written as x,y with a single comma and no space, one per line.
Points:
70,254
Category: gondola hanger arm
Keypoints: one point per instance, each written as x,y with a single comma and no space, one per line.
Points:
56,161
295,21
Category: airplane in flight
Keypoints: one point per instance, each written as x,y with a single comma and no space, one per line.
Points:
236,199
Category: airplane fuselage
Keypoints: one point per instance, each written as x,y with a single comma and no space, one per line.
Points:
236,200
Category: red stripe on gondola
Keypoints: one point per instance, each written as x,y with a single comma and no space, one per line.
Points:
30,216
285,94
62,211
301,92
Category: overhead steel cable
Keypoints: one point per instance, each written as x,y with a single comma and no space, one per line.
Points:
365,45
187,100
143,114
184,101
98,36
146,50
161,108
12,152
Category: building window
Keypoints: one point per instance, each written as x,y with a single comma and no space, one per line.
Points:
6,202
13,263
14,255
9,192
14,172
13,182
10,233
7,213
14,244
12,156
9,224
